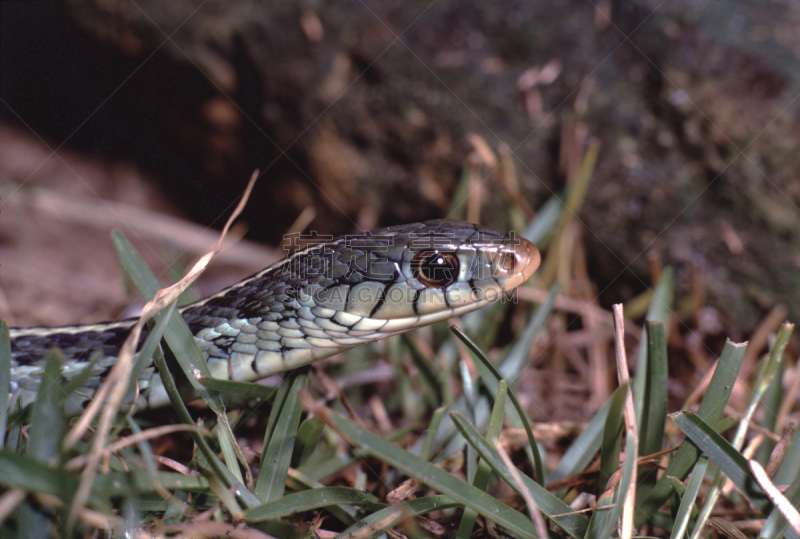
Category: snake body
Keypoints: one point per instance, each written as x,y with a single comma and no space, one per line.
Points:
315,303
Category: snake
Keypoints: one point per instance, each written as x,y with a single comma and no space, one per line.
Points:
313,304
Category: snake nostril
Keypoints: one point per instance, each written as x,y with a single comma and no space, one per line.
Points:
507,261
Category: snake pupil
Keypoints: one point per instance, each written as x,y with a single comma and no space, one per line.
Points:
435,269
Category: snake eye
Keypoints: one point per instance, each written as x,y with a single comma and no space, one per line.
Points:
435,269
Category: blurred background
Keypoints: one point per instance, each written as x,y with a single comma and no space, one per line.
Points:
150,116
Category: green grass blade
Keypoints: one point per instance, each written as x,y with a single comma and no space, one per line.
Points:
710,411
766,374
583,448
484,471
15,434
603,520
724,456
145,355
472,400
177,334
654,409
176,269
5,379
660,310
611,444
652,412
769,389
458,203
470,390
329,467
183,345
789,468
773,397
389,517
494,377
78,380
277,454
540,229
277,404
435,478
477,322
188,355
517,358
33,524
145,450
31,475
346,514
496,420
245,390
426,450
601,516
308,500
575,195
307,440
47,420
427,373
45,433
550,506
689,497
138,482
207,458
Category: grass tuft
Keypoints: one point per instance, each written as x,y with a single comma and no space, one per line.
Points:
421,444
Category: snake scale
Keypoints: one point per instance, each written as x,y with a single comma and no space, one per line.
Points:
313,304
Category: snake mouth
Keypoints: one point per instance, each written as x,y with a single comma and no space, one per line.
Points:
533,260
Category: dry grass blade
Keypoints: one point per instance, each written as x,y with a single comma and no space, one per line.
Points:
151,224
759,339
210,528
9,501
791,397
117,382
726,528
533,511
630,417
565,303
128,441
175,465
780,450
784,506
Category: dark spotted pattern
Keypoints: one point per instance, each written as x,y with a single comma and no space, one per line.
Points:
31,348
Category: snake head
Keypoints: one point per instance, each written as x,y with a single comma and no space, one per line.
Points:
357,289
414,275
